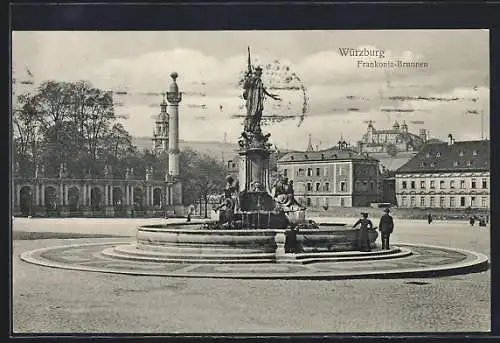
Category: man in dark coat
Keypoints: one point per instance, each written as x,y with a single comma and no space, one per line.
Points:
386,227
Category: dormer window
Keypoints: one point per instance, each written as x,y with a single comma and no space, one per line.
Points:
461,153
322,156
306,157
428,155
474,152
422,164
291,157
469,163
455,163
438,154
432,164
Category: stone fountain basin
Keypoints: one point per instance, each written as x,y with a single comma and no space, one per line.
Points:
191,238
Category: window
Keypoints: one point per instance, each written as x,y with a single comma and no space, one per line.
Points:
291,157
325,171
326,187
462,201
403,185
342,186
474,152
428,155
452,202
413,202
404,202
309,171
462,184
469,163
300,172
317,202
483,201
422,202
372,186
473,184
412,184
322,156
340,170
473,202
318,186
318,173
285,172
432,184
438,154
308,201
325,202
484,183
342,202
432,164
441,184
452,184
432,202
422,184
441,201
309,186
455,163
461,153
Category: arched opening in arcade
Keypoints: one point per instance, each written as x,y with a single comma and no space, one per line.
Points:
120,209
157,203
138,200
51,201
26,201
73,200
95,199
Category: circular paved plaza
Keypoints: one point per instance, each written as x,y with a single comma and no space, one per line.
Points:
395,294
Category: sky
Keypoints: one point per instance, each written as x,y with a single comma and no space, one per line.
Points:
335,95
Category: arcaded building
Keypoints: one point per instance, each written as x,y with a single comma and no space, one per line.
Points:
446,175
334,177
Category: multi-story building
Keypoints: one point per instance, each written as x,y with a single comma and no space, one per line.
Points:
446,175
338,176
398,137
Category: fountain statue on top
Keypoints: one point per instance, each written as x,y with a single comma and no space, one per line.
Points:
250,203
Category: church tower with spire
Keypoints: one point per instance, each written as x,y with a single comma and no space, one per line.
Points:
160,133
309,145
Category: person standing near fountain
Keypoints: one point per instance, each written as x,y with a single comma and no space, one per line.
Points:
386,226
365,226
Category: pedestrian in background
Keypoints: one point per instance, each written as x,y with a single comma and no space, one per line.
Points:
429,218
386,227
365,226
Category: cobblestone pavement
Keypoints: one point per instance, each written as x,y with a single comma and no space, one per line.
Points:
57,300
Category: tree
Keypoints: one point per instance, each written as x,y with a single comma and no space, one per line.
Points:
202,176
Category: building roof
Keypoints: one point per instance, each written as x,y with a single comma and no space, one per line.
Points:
333,153
442,157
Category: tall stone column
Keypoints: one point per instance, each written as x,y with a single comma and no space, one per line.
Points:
18,195
132,195
61,194
42,190
174,97
66,195
37,194
126,195
105,195
111,198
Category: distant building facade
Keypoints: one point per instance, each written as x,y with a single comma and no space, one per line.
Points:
335,177
398,136
446,175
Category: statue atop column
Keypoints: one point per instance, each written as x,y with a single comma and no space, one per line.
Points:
254,94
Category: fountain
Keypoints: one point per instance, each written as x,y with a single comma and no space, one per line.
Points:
256,224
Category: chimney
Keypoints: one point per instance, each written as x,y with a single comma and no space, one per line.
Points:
451,140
